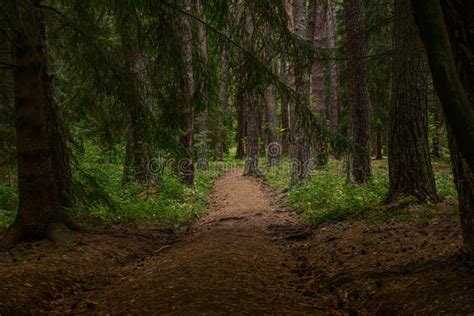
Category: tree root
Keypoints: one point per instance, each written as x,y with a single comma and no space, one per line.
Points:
59,233
11,237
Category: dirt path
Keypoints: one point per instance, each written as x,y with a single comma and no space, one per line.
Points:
247,256
232,262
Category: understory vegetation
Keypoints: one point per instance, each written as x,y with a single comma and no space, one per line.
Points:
103,198
327,197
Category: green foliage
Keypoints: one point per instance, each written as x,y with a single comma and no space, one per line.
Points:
328,198
171,203
168,202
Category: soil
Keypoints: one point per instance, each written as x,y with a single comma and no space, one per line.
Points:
247,255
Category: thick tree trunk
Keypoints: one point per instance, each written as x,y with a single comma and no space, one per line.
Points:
332,65
453,77
359,166
300,151
410,170
40,213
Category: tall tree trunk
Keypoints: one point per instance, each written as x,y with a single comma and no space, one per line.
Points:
288,74
186,162
285,112
318,33
410,170
252,105
332,65
137,114
450,57
56,135
358,165
273,147
40,213
300,151
223,102
204,116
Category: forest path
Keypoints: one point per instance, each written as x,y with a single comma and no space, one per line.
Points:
236,260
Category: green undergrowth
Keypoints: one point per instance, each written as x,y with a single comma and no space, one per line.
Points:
169,202
328,198
102,199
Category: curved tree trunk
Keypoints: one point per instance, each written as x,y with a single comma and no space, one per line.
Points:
359,166
450,57
410,170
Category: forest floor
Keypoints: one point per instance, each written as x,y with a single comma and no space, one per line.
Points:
246,255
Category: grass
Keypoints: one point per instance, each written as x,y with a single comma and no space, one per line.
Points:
328,198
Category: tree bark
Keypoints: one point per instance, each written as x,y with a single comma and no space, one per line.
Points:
300,151
359,166
204,116
288,73
450,58
133,98
318,33
410,170
252,106
40,214
186,162
333,79
272,145
285,112
223,102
